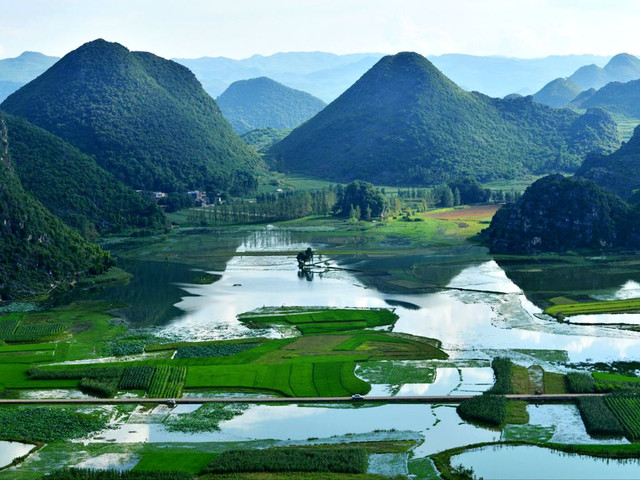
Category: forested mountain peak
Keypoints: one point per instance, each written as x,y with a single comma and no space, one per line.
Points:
147,120
264,103
404,122
538,222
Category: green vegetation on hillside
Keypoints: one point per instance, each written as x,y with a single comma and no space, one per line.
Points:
37,251
557,214
618,172
311,320
262,139
404,122
145,119
72,186
262,102
557,93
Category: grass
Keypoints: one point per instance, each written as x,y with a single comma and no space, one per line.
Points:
175,459
517,413
294,476
594,308
311,365
310,320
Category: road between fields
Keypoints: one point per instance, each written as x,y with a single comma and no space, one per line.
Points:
543,398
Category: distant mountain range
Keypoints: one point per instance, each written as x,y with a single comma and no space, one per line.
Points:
404,122
145,119
327,75
563,91
15,72
265,103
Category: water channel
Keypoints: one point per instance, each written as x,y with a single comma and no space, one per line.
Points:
472,324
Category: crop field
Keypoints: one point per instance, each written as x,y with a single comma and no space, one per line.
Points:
597,418
627,410
47,424
612,382
167,382
489,409
344,460
180,460
593,308
137,378
312,365
321,319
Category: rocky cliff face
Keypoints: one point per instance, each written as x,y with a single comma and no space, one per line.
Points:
556,214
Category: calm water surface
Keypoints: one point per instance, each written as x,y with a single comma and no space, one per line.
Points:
467,322
11,450
513,463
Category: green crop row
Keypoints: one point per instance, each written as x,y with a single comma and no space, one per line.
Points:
7,327
34,332
37,373
101,387
167,382
580,382
502,368
490,409
597,418
214,349
137,377
344,460
90,474
627,410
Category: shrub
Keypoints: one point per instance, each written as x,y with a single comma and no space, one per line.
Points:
597,418
580,382
490,409
88,474
502,368
344,460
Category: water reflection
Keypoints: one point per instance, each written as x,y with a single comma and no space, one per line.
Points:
523,462
12,450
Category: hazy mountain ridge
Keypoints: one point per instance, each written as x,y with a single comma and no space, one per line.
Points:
265,103
563,91
405,122
15,72
145,119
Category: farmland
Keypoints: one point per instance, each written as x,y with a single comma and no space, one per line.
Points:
592,308
315,342
321,319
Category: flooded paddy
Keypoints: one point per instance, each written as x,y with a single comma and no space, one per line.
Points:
9,451
525,462
480,312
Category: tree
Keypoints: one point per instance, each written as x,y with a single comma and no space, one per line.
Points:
359,195
304,257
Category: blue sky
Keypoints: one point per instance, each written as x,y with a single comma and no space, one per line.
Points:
240,28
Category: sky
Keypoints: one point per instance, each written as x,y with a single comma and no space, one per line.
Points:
241,28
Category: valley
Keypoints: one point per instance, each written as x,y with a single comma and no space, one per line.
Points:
437,284
195,288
